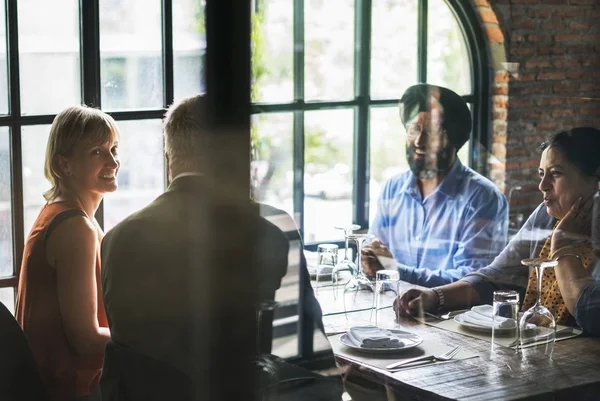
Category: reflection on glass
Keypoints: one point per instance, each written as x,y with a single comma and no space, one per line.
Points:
189,47
328,173
130,54
448,62
7,297
271,169
329,49
387,151
34,141
393,47
3,70
142,172
49,37
6,260
272,52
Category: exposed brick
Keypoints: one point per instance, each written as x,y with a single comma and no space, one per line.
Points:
566,62
531,163
535,138
533,38
523,24
595,62
499,115
593,110
521,102
500,103
552,24
563,113
565,87
526,77
512,165
596,74
537,63
540,12
482,3
549,101
580,25
534,90
583,2
552,50
501,91
531,114
494,34
576,100
567,38
569,12
577,74
502,77
590,87
488,16
547,125
581,49
517,37
550,76
523,51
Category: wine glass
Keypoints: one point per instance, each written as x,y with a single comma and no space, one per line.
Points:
359,283
537,325
346,264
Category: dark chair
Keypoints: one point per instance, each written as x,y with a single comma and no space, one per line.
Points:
19,375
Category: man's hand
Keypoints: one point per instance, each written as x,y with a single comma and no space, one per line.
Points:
416,301
368,258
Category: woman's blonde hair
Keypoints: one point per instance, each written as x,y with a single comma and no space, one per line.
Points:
74,126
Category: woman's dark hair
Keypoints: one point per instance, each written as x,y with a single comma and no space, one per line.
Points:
580,146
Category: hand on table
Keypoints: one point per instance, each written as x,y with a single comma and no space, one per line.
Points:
416,301
368,258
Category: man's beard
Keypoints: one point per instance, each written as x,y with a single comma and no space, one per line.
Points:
431,165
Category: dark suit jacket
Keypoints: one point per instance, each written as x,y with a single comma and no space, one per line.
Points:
169,270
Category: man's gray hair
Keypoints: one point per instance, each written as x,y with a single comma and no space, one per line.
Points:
186,134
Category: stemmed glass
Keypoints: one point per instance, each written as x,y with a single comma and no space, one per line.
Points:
537,325
359,282
345,265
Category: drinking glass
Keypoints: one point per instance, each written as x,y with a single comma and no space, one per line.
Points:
358,292
327,257
386,291
265,363
346,264
537,325
506,312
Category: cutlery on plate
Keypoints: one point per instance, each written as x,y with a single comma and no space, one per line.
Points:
446,356
447,315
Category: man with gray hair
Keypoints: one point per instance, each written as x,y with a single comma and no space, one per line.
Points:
165,274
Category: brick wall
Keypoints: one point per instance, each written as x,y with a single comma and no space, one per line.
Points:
556,45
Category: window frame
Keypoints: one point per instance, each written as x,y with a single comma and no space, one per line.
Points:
89,37
479,98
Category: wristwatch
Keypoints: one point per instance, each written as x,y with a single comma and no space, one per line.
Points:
440,294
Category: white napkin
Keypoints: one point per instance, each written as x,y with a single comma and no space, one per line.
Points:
481,315
374,337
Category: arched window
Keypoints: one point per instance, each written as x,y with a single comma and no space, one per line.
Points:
327,80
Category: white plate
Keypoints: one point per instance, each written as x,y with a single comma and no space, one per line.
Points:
486,329
410,340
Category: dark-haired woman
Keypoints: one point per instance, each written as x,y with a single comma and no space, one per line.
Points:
559,228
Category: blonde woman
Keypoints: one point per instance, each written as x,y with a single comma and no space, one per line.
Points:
59,304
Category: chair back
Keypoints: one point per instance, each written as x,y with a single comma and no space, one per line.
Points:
19,375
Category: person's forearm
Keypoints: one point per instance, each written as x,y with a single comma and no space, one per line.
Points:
93,343
572,279
459,295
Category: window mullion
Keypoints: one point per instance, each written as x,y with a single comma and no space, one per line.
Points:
16,173
167,52
89,31
422,41
362,71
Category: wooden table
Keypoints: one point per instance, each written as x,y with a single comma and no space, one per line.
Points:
573,374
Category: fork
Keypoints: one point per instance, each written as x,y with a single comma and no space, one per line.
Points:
447,315
446,356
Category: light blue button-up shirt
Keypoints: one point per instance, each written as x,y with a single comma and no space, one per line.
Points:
454,231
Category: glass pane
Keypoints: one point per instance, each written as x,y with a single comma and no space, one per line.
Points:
329,49
130,54
328,172
448,62
387,150
49,37
7,297
6,259
272,52
189,48
3,70
272,166
34,141
142,174
393,48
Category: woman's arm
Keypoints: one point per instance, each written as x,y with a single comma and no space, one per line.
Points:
72,250
572,278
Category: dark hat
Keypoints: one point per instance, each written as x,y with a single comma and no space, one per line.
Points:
456,118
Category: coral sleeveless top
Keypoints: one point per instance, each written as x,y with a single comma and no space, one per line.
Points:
65,373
